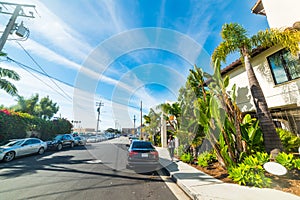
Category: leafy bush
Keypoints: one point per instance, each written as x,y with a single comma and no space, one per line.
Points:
285,159
245,174
262,157
187,158
289,140
296,163
250,172
205,158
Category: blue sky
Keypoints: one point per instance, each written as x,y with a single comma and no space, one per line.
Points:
121,52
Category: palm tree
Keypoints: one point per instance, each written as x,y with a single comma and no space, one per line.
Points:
235,39
5,84
172,113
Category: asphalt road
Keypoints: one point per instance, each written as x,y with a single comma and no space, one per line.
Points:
96,171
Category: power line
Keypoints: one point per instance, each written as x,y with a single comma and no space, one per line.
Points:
37,71
25,68
28,54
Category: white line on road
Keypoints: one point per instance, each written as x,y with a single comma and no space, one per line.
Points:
173,186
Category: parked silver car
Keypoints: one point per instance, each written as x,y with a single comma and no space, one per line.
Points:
20,147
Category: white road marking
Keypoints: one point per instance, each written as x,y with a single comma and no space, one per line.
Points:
180,194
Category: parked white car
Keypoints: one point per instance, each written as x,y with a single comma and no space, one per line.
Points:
21,147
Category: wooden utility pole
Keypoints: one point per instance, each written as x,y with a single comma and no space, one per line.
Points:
99,104
134,119
141,132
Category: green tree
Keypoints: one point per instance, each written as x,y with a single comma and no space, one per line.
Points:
46,108
152,124
235,39
190,133
172,114
26,105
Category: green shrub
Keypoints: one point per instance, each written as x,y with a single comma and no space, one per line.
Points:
205,158
285,159
289,140
250,172
296,163
249,175
187,158
262,157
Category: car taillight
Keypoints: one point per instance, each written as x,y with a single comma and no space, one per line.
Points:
131,153
155,153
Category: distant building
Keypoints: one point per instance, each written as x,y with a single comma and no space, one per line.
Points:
128,131
84,130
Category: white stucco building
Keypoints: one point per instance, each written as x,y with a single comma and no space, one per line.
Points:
279,13
277,71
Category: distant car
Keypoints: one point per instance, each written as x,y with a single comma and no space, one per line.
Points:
92,139
133,138
21,147
60,141
142,154
79,140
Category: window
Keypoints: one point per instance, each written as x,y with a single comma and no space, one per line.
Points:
284,66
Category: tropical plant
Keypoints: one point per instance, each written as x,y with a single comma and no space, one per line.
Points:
171,113
190,131
251,175
285,159
235,40
205,158
290,141
262,157
152,123
5,84
252,134
296,163
219,116
187,158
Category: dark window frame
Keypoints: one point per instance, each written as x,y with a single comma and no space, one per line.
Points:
284,65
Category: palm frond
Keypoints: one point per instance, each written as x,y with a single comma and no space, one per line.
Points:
9,73
288,38
8,87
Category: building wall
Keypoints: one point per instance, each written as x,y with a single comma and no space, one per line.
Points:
282,13
282,95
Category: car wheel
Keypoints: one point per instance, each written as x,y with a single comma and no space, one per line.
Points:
9,156
41,150
59,147
72,144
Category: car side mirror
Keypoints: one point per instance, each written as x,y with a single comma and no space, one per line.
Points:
128,145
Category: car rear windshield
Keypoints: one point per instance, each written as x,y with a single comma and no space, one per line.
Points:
142,145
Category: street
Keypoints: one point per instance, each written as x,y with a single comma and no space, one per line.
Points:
96,171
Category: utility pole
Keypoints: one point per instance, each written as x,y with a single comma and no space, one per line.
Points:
134,119
11,24
99,104
141,134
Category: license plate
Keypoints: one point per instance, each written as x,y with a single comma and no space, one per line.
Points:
144,155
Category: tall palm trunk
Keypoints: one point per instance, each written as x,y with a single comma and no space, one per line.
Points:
271,138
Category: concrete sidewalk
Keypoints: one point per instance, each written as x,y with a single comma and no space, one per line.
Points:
199,185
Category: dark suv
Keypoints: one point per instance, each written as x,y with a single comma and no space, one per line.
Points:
142,155
61,141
